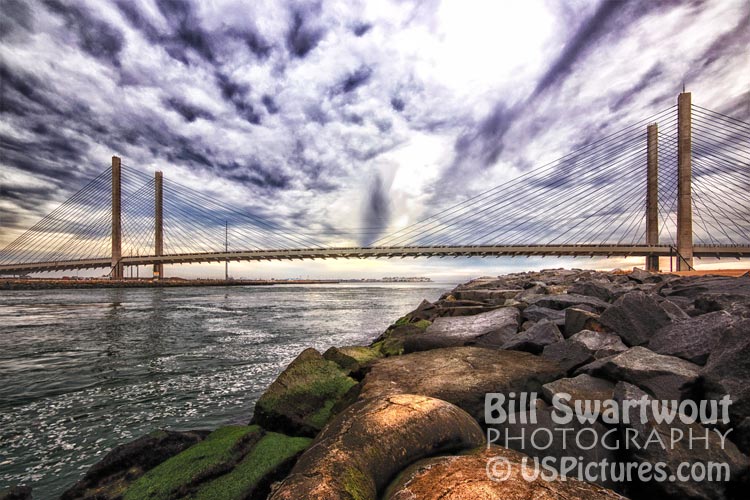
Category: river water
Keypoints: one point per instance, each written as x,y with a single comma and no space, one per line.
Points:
82,371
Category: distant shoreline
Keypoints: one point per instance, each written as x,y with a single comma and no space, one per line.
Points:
58,283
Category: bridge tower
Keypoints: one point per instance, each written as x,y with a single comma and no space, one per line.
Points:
158,224
117,268
684,179
652,195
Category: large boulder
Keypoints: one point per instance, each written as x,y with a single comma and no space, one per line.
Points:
108,478
540,437
565,300
664,377
635,317
711,293
580,388
535,338
232,463
602,290
538,313
460,375
352,358
301,400
490,329
692,339
487,296
667,448
582,348
727,371
360,450
580,319
492,473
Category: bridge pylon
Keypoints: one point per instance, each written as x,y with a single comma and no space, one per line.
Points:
117,267
652,195
158,223
684,183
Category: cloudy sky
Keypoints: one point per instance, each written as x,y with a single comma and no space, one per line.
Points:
342,115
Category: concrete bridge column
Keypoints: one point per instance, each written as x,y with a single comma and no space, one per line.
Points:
158,224
684,179
117,268
652,195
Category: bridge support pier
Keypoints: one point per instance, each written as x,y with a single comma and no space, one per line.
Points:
117,268
652,195
684,179
158,224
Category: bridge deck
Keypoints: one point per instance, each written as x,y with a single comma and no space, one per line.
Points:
385,252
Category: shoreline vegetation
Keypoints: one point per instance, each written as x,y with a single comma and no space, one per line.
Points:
404,417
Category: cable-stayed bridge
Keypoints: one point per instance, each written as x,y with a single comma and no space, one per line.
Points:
675,184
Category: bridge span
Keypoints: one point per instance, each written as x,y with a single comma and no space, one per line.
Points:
699,251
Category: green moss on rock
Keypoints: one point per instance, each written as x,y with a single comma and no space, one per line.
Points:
214,456
300,401
271,457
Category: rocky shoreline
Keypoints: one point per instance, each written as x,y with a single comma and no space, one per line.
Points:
409,416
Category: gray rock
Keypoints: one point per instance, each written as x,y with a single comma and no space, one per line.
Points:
604,291
582,348
577,319
535,338
711,293
487,296
673,310
665,377
600,344
727,371
491,329
537,313
459,375
692,339
565,300
584,446
581,388
674,454
635,317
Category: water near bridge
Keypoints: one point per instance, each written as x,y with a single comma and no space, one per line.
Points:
85,370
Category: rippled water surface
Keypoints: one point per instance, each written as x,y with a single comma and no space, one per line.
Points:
82,371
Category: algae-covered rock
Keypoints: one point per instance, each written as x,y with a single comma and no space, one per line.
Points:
108,478
459,375
352,358
269,460
233,463
182,474
468,476
362,448
300,401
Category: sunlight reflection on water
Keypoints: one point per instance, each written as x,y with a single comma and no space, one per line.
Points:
85,370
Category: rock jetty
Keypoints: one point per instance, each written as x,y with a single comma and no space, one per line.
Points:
407,417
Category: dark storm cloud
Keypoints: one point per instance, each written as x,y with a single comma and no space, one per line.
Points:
361,28
304,34
584,38
355,79
95,37
270,103
629,96
238,95
16,14
188,111
187,31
